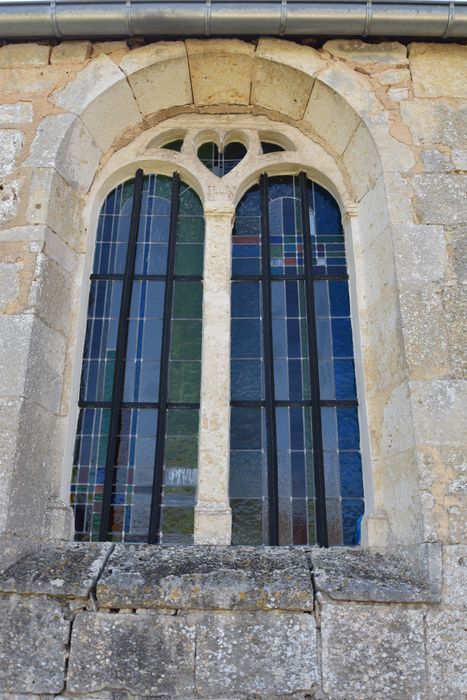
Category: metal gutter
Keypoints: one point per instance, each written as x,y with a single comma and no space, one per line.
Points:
48,19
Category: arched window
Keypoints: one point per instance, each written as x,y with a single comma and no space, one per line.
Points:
295,468
135,462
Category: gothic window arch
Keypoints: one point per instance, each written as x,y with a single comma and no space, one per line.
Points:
150,421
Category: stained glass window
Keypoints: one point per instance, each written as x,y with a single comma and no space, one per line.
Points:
269,147
295,469
220,162
135,461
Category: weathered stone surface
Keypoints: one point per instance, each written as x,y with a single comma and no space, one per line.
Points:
459,158
372,652
9,200
29,54
102,97
16,113
63,142
148,655
393,76
239,578
362,147
159,76
11,141
356,50
435,122
263,654
65,570
70,52
421,254
441,198
331,116
447,653
220,71
438,69
444,399
283,76
435,161
33,638
9,282
455,576
401,576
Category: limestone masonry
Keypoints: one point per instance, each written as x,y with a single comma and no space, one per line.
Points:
383,126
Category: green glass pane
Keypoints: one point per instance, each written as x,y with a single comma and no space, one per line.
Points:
183,422
181,451
188,298
177,521
190,203
174,145
190,229
109,374
205,151
184,381
163,186
189,259
186,340
127,192
246,521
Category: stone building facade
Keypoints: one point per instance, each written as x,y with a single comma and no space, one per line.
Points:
382,126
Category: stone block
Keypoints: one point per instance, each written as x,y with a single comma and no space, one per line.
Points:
459,158
52,295
400,575
11,142
432,123
264,655
16,113
372,652
27,82
9,282
425,330
101,96
331,117
15,332
148,655
9,200
54,203
438,408
447,653
159,76
220,70
379,269
239,578
395,155
362,149
108,47
455,306
397,430
12,55
441,198
70,52
438,69
33,638
421,254
353,86
387,52
68,570
393,76
63,142
455,576
44,378
435,161
283,76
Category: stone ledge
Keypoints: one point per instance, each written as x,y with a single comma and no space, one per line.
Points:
206,577
65,570
403,575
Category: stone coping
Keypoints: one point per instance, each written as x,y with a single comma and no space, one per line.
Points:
224,578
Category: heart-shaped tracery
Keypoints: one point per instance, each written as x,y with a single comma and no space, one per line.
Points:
220,162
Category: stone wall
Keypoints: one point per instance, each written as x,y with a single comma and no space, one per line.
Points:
383,126
131,621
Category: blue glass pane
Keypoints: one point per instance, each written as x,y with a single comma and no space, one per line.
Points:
352,514
113,230
246,380
351,474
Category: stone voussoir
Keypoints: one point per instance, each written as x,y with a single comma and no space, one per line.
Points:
204,577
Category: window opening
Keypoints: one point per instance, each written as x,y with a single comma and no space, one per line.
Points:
135,461
221,162
269,147
174,145
295,475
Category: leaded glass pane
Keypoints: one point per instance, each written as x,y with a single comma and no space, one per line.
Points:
129,433
309,367
221,162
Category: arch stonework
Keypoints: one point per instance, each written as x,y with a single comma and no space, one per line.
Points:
103,109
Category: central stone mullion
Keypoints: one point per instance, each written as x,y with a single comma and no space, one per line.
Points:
212,513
